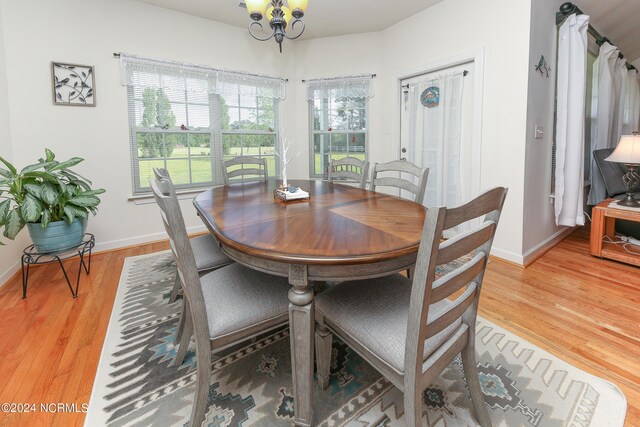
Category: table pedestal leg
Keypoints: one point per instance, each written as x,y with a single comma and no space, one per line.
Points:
301,324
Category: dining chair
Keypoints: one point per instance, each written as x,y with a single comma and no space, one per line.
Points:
227,306
401,167
410,330
349,168
251,169
208,256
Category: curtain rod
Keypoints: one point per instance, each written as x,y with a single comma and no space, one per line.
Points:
117,55
340,78
569,8
464,73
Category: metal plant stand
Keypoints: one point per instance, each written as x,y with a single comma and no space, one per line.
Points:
31,256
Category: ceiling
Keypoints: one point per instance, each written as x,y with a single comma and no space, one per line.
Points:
325,18
618,21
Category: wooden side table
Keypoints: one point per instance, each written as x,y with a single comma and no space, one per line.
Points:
603,224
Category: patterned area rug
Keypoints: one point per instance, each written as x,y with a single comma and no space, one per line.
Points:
136,383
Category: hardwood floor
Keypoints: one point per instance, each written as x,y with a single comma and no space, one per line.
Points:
582,309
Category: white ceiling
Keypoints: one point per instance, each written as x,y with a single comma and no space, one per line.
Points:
324,18
618,21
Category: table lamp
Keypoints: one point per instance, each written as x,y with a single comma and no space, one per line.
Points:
628,152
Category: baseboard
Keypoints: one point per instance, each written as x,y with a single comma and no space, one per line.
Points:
511,257
139,240
9,272
109,246
541,248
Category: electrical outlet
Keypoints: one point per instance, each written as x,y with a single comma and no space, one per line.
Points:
538,132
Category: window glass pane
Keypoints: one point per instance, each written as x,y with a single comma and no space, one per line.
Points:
262,146
137,113
357,119
145,170
176,117
231,145
230,117
176,145
150,145
198,117
356,145
321,154
174,95
248,119
339,119
320,115
266,120
264,102
200,145
179,171
356,103
338,145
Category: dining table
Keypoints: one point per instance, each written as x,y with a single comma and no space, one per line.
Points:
340,233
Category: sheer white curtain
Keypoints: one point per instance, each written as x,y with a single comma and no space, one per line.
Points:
621,90
434,135
632,104
570,125
602,114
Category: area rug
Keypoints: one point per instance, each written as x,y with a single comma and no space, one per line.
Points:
136,383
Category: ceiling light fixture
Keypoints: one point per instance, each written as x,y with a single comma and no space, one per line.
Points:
279,17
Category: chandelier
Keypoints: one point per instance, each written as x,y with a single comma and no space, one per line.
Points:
279,17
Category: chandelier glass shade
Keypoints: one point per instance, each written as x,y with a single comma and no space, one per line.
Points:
279,17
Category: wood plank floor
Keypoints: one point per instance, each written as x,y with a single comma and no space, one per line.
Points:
582,309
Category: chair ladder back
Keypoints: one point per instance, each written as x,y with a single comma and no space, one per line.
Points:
424,274
257,169
455,280
485,203
466,242
184,257
401,166
161,173
457,308
427,291
349,168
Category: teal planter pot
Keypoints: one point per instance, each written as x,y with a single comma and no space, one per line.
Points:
58,235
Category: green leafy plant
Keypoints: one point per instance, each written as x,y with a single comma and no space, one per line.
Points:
44,192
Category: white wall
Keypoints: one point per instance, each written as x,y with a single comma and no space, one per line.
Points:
539,221
450,28
9,254
88,32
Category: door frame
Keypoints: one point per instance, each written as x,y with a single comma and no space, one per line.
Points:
477,57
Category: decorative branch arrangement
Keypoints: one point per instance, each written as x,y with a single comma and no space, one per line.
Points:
285,158
73,84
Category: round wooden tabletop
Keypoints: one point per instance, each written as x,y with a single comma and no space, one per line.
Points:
340,224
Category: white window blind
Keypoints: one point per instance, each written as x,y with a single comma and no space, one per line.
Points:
338,110
188,118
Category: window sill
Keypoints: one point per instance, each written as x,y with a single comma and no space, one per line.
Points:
145,199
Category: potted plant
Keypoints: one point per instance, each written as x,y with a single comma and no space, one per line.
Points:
50,199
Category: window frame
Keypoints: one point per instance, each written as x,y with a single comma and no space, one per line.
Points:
313,132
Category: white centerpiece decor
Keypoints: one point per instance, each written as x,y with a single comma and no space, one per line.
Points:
285,157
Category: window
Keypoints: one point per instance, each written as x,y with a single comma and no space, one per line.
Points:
249,126
338,121
188,120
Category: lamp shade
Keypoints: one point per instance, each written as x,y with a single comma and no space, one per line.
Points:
298,4
256,6
627,151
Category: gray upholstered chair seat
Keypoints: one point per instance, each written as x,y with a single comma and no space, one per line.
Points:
237,298
374,313
207,253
